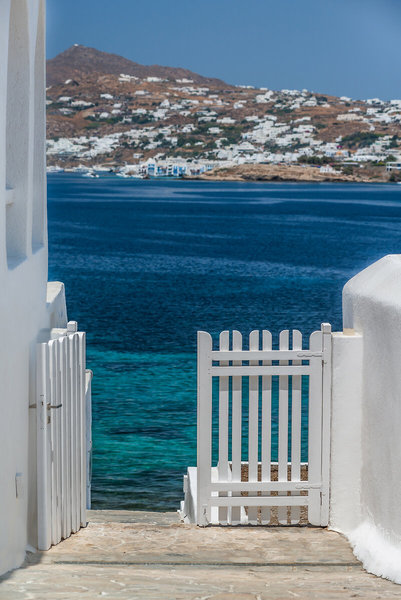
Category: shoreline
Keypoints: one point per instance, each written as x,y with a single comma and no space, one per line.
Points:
284,173
233,179
253,173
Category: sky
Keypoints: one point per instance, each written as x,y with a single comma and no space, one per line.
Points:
339,47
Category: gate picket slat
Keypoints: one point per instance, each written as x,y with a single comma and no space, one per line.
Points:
266,425
296,423
79,428
43,448
88,437
68,440
283,426
67,429
236,428
63,458
76,464
82,445
56,416
315,428
204,428
253,439
223,426
59,415
72,432
50,400
326,423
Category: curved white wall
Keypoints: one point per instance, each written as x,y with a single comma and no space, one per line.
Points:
24,311
366,506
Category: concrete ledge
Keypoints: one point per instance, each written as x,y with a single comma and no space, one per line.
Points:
56,304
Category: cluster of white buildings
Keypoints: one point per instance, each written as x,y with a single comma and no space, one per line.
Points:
159,167
188,112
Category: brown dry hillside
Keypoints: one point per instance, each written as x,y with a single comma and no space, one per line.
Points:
286,173
79,61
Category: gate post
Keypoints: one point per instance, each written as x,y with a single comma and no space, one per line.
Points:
43,448
326,422
204,430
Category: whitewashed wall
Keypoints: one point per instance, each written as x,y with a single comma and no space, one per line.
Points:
27,308
366,442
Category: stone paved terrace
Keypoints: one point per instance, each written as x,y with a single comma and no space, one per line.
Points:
125,555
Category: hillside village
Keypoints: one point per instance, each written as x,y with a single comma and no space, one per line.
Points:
105,113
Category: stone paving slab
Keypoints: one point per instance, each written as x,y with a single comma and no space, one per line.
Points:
126,555
140,543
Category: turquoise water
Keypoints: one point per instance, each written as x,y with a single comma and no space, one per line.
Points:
148,263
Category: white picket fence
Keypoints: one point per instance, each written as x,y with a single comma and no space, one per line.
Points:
220,489
63,436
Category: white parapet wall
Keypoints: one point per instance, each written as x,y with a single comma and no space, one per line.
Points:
366,432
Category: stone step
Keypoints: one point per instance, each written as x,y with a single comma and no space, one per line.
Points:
151,538
135,555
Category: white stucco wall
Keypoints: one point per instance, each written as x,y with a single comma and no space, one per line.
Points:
370,515
26,308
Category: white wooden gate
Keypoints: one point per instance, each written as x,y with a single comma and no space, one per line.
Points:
63,436
245,483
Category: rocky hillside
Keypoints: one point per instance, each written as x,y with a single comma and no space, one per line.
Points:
80,61
265,172
105,109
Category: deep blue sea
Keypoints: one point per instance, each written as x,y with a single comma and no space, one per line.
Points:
148,263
